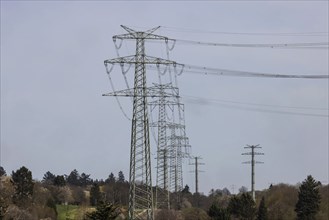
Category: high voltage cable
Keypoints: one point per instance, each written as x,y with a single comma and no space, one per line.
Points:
252,74
237,73
304,46
308,45
312,45
262,110
283,34
194,98
299,34
226,72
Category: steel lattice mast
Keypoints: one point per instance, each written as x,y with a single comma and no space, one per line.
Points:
162,191
178,142
163,151
140,191
169,151
252,162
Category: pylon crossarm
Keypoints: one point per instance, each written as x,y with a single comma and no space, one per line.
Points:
181,145
249,153
256,153
166,87
152,29
132,34
168,125
157,60
253,146
166,102
130,93
121,60
142,35
175,125
147,60
129,30
124,37
178,137
163,92
126,92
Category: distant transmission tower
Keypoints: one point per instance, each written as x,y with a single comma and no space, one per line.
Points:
179,149
170,148
163,151
140,191
196,170
252,162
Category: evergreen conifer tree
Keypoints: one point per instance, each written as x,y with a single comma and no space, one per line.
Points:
242,206
308,203
217,213
104,211
23,184
121,177
262,210
95,194
2,171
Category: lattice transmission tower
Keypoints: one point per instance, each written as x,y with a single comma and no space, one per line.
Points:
164,101
170,148
179,149
252,162
140,191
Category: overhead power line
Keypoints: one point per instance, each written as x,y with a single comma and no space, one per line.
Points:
203,102
293,45
311,45
299,34
303,46
238,73
252,104
226,72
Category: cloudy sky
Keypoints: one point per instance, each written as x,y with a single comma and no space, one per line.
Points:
54,118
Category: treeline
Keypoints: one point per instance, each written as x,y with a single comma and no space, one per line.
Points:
21,197
75,179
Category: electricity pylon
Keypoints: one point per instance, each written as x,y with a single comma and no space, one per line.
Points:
162,198
178,143
196,170
169,151
179,148
140,190
252,162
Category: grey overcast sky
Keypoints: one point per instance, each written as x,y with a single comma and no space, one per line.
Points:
53,117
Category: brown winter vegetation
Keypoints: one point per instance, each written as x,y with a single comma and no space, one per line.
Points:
280,200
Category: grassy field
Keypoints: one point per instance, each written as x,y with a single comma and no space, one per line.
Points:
71,212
